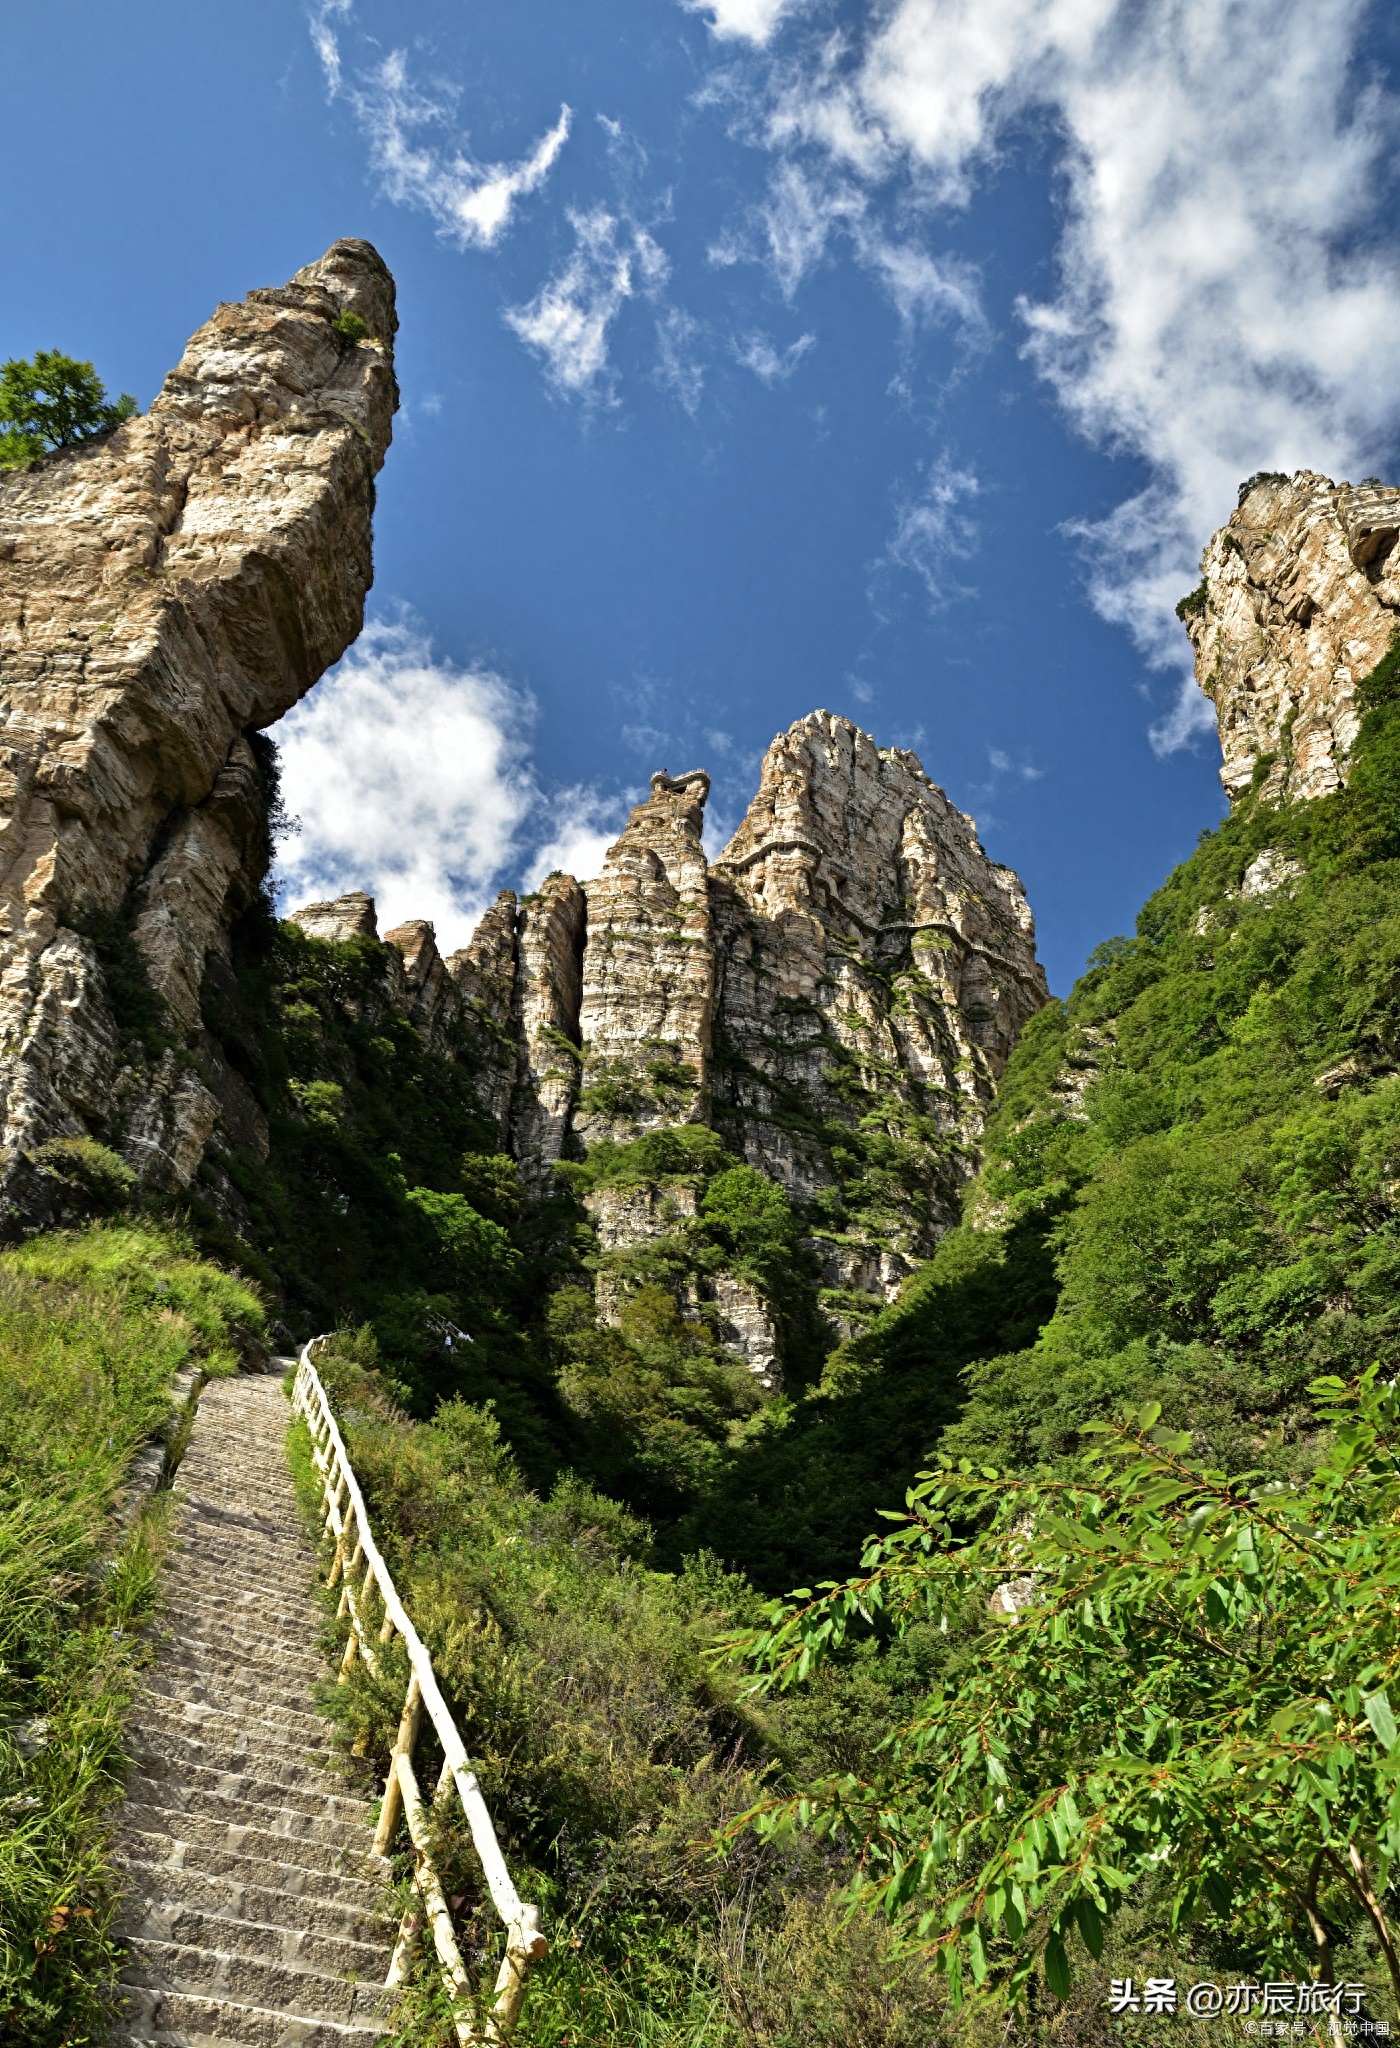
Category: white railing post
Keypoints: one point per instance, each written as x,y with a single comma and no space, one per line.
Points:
525,1941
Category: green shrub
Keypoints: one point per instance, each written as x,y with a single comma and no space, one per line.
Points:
612,1753
98,1171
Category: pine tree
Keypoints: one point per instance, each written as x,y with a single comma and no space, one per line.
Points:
52,402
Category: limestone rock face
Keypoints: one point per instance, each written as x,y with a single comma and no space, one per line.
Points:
165,590
347,917
1300,598
874,964
835,998
545,1014
648,971
483,974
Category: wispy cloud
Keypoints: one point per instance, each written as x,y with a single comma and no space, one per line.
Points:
679,368
585,826
770,364
471,202
567,321
1002,764
1228,295
412,778
810,212
932,533
646,739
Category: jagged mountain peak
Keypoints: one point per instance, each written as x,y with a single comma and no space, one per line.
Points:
1299,599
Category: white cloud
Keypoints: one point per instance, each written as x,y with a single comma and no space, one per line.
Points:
1228,296
585,826
798,218
471,202
923,287
567,321
412,779
769,364
325,42
750,21
932,532
645,739
1002,764
679,369
807,207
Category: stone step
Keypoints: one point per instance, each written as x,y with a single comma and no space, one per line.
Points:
253,1908
174,1924
236,1801
300,1735
217,1682
249,1980
283,1862
251,1569
254,1654
164,1688
271,1904
250,1607
158,1751
236,1556
173,2019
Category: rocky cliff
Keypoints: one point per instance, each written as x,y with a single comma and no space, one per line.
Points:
875,969
1299,598
834,998
824,1009
167,590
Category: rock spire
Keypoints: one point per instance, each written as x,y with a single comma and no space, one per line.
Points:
876,970
835,997
1299,599
649,971
167,590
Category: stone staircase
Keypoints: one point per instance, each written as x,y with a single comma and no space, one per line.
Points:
253,1911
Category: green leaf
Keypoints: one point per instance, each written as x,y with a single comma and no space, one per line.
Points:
1057,1970
1382,1720
1090,1926
977,1955
1142,1422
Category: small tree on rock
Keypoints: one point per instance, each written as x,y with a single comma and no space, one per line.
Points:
52,402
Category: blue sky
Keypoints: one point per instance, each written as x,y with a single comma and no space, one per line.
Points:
755,357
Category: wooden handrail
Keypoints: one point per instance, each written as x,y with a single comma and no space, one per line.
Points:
346,1521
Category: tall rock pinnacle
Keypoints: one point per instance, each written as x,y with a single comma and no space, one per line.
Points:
1299,600
166,590
649,970
876,970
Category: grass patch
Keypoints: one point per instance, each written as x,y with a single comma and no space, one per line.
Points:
93,1325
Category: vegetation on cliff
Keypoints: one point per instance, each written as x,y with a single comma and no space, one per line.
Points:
1189,1193
1178,1688
51,401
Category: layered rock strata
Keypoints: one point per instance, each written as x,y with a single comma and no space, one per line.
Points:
1299,600
166,590
836,997
876,970
649,971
